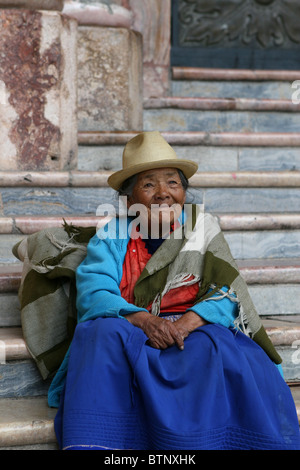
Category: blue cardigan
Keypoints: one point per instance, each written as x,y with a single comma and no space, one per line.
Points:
98,279
99,276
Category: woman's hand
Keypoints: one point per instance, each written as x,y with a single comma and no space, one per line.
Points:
188,323
164,333
161,333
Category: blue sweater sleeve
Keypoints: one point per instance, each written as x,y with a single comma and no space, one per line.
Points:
222,311
218,310
97,280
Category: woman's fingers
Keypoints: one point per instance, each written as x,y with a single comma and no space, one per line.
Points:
179,338
163,333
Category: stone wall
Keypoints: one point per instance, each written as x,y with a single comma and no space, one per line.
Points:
152,19
110,85
43,91
110,67
87,71
38,69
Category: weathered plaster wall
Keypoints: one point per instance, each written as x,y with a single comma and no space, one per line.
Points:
38,69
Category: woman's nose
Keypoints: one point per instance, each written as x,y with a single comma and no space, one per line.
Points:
162,192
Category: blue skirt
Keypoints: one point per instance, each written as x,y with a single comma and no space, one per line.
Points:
221,392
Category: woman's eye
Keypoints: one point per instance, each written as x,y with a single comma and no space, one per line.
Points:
173,182
148,185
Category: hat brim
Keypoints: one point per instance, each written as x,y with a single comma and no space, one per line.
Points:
188,168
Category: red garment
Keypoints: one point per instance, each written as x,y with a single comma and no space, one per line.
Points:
177,300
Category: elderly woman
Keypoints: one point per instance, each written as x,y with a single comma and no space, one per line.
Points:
169,352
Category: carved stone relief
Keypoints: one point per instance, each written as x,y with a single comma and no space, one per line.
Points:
239,23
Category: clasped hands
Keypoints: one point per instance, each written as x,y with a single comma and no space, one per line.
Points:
164,333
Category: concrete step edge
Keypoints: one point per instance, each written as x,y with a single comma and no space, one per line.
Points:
10,275
13,346
32,421
198,73
221,104
188,138
89,179
26,421
295,389
29,224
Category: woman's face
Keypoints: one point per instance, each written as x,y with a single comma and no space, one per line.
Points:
161,196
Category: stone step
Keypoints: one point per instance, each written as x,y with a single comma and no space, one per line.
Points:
277,298
66,193
67,201
27,423
21,378
190,138
213,152
189,81
93,179
192,114
284,330
273,284
10,277
233,75
228,222
261,244
221,104
238,89
13,346
254,271
249,235
209,158
269,271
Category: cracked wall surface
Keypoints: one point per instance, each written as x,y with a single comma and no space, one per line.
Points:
37,91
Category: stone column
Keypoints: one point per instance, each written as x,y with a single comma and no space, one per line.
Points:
110,68
110,93
153,19
38,71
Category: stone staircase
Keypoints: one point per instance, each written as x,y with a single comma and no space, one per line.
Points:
242,129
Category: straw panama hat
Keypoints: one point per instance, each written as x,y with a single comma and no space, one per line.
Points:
145,151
